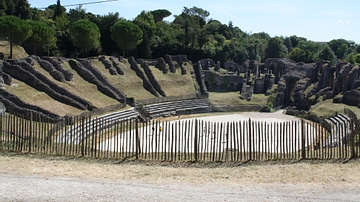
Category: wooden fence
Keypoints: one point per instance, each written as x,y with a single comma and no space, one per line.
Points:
188,140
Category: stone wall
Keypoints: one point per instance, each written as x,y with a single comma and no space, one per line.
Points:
103,79
146,84
87,75
152,79
27,74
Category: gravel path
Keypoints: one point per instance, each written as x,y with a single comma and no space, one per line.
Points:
38,188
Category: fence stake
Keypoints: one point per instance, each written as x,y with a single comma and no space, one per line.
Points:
137,150
303,151
196,141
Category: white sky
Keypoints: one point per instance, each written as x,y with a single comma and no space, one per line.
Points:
313,19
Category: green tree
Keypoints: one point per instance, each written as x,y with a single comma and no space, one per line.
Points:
297,54
77,14
275,48
340,47
58,10
15,30
126,34
22,9
312,50
353,58
327,54
160,14
42,35
85,35
104,23
3,7
145,21
10,7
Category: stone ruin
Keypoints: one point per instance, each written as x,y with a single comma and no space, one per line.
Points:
297,84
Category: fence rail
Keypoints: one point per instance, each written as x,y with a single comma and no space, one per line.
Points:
192,140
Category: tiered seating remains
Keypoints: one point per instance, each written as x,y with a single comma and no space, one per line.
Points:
340,128
178,107
73,135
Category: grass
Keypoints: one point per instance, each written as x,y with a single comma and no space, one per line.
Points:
233,98
173,84
32,96
328,108
18,51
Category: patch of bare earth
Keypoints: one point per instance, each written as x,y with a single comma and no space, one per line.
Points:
182,181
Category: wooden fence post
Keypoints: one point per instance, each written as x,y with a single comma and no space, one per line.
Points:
137,150
250,142
303,151
195,140
82,136
352,139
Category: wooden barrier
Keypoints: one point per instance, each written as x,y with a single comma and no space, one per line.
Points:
188,140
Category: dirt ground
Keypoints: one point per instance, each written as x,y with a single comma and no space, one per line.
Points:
48,178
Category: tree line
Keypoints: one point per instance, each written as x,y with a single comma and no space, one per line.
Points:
77,33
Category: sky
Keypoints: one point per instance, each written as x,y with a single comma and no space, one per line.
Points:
316,20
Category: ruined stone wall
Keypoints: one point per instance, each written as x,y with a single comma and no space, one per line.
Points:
27,74
152,79
87,75
57,64
161,65
168,60
206,64
116,64
87,64
200,79
15,105
222,82
52,71
146,84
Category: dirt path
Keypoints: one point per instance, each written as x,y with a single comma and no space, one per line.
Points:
29,178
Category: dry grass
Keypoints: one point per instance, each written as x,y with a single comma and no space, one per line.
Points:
174,84
196,173
18,51
233,98
32,96
328,108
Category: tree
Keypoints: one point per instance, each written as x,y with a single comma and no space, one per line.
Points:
275,48
22,9
77,14
42,35
15,30
354,58
3,7
312,50
85,35
297,54
340,47
10,7
160,14
58,10
146,23
327,54
104,23
126,34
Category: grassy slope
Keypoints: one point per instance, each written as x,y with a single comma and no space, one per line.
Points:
327,108
233,98
18,51
174,84
32,96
